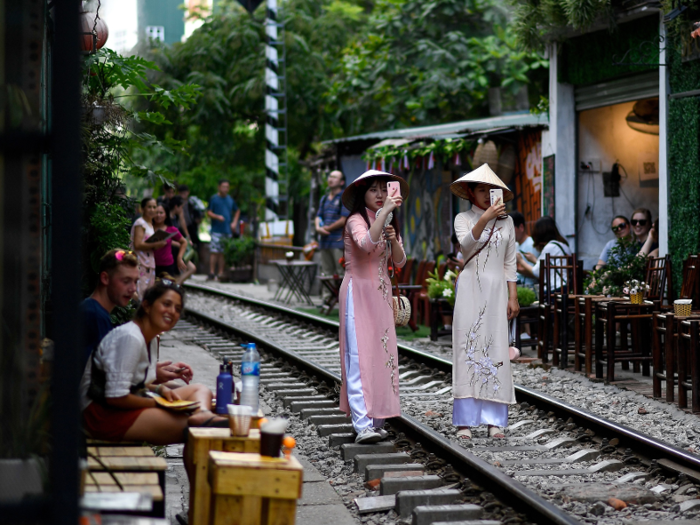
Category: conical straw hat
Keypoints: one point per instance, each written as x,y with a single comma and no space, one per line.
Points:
350,193
482,175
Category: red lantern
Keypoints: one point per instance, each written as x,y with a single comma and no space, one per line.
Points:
87,23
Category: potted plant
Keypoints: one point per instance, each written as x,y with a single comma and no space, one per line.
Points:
623,265
442,290
238,255
526,296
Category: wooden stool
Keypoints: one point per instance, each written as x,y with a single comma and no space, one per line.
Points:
249,489
200,442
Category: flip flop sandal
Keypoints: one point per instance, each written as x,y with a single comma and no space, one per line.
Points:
213,424
464,433
496,432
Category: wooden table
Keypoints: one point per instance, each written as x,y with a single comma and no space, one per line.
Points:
295,276
200,442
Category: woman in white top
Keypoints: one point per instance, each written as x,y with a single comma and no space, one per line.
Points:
548,240
141,230
123,369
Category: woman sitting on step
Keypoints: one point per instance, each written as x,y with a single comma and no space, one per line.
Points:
122,371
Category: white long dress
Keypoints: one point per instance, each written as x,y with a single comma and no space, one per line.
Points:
482,382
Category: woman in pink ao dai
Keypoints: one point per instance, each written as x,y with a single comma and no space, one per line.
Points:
368,352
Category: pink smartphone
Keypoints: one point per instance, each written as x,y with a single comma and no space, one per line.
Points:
393,188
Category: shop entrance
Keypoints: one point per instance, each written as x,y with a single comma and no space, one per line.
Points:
617,169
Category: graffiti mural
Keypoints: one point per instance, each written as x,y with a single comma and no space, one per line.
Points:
427,214
528,176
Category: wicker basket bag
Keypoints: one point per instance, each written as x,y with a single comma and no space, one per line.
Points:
402,310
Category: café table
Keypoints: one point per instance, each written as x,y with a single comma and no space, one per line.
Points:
297,277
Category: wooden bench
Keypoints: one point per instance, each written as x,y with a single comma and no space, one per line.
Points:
200,442
144,482
128,459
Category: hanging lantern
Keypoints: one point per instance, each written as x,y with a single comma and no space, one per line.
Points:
91,42
486,153
506,164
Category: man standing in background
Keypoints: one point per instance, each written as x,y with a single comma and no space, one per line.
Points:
224,213
330,222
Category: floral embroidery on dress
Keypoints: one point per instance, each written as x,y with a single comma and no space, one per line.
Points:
383,263
391,362
485,371
495,242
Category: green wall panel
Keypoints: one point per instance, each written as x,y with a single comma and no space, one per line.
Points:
588,59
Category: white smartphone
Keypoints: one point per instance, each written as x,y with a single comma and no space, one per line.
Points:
496,196
393,188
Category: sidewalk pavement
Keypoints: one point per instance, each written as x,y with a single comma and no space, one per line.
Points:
320,503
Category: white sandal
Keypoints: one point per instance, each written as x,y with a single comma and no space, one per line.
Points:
464,433
496,432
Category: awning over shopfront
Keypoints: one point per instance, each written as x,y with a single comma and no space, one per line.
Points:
627,89
460,129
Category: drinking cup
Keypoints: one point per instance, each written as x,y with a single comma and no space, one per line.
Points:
270,444
239,419
682,307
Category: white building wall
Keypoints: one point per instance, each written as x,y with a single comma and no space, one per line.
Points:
562,140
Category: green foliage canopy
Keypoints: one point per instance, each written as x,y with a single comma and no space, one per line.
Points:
424,63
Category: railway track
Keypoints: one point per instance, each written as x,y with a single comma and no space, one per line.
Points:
552,447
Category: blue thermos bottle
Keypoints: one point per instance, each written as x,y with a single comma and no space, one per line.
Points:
224,381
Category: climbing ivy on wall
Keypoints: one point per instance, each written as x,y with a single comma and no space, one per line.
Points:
588,59
683,161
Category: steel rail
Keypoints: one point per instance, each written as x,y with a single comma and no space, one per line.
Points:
645,445
511,492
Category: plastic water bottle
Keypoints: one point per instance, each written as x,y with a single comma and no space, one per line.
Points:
223,390
250,376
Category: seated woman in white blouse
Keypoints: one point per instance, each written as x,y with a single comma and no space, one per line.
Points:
123,369
547,239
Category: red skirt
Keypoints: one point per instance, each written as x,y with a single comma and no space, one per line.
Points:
107,423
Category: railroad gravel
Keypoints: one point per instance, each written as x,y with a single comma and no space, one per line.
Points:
654,418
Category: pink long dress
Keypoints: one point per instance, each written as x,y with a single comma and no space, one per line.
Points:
366,267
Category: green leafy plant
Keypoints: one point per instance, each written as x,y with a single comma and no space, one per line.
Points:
526,296
109,140
624,265
442,288
239,252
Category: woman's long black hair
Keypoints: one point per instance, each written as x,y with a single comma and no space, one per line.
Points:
360,207
545,230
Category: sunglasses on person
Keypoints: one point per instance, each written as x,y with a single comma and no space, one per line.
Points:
641,222
619,227
170,284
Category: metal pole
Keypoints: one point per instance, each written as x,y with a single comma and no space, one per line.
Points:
276,121
66,257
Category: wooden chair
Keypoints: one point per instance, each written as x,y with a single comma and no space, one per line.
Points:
420,313
556,274
607,353
564,310
406,272
689,364
665,338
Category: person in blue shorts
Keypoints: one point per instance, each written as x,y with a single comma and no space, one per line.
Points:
224,213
